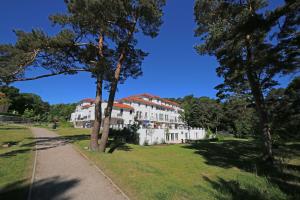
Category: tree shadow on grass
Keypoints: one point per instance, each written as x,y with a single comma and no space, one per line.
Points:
47,189
12,128
234,190
44,143
245,155
118,146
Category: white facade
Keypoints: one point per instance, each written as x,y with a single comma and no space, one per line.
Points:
159,118
170,136
84,115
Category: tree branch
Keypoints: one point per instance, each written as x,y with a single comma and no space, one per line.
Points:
48,75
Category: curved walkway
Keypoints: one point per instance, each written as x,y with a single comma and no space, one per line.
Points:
62,173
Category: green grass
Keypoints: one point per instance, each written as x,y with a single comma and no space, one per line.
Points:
15,161
228,169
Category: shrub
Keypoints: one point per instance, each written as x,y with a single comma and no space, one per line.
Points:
146,143
65,124
128,135
208,134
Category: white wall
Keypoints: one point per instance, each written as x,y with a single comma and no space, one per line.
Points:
158,136
88,114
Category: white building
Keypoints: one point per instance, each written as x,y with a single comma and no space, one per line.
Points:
159,118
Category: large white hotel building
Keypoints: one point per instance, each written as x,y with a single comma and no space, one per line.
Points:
159,118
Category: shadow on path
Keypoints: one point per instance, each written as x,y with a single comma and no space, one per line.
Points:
47,189
45,143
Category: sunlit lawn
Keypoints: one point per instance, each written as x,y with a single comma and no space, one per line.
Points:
15,161
228,169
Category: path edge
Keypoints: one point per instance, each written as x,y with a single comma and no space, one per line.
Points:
101,171
33,169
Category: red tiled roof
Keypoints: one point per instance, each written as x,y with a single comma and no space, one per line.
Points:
123,106
137,99
157,97
170,102
89,100
168,107
86,106
148,96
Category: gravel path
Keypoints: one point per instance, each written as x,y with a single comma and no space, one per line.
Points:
62,173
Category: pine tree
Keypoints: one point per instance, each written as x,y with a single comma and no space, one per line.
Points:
97,36
237,32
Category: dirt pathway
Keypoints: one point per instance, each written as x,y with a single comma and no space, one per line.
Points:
62,173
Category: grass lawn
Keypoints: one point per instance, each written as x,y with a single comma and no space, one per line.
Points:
228,169
15,161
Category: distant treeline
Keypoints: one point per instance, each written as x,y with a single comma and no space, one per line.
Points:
237,115
31,106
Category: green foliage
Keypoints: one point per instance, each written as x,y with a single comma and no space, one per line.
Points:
65,124
252,44
126,135
22,101
209,134
236,115
239,117
284,107
28,113
61,112
238,33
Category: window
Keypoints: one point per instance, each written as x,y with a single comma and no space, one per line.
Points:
146,115
172,136
156,116
176,136
161,117
186,135
131,112
167,137
121,113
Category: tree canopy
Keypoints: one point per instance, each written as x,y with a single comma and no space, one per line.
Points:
252,44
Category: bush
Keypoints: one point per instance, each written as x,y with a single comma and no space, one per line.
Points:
128,135
65,124
146,143
208,134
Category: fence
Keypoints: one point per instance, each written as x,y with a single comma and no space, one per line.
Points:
14,119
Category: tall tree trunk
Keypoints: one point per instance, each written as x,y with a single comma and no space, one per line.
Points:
94,146
98,115
110,103
263,115
112,92
256,89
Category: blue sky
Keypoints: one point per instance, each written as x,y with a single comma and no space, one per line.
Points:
172,69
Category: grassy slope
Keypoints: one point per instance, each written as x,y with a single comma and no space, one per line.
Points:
15,161
224,170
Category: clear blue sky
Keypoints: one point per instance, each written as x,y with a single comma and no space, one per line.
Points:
172,69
